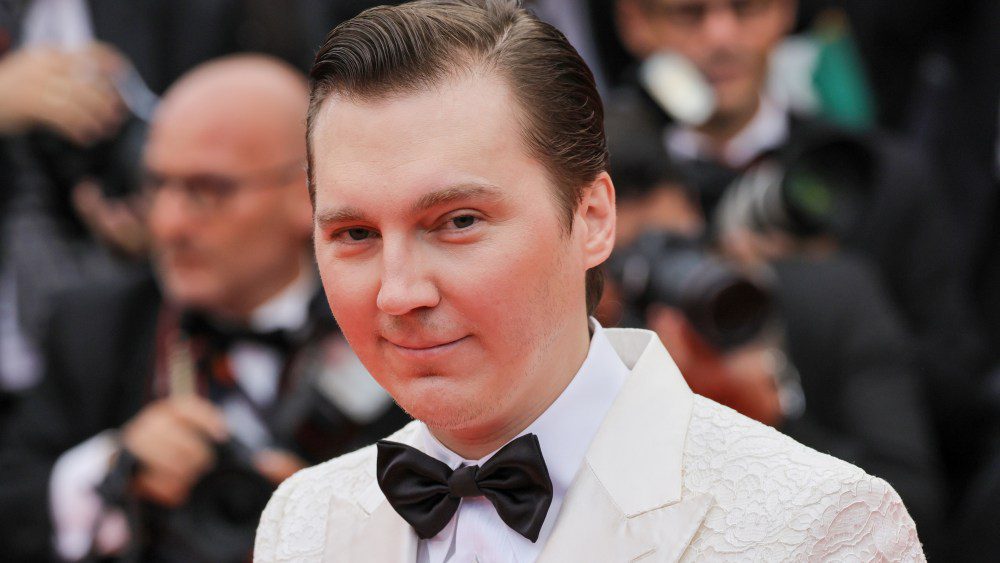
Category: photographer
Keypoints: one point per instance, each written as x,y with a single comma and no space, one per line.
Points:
78,82
170,410
662,278
906,230
788,329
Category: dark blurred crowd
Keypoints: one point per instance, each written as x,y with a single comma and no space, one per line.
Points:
808,197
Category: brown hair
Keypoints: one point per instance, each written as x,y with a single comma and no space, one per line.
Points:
392,51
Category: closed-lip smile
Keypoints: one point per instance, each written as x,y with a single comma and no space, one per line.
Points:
422,345
425,348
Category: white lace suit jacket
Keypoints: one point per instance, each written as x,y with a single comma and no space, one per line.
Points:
670,476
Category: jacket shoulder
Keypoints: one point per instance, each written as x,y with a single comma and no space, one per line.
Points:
776,499
293,526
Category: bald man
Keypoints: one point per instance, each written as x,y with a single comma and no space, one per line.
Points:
226,361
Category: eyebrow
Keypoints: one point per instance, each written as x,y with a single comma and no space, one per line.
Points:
341,215
450,194
457,193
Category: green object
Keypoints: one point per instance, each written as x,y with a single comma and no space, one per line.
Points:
839,78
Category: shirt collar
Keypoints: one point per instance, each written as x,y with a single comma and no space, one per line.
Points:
289,309
64,24
768,129
568,426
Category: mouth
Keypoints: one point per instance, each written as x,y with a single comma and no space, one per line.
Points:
180,259
725,67
723,74
425,349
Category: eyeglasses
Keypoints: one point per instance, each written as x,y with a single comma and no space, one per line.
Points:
211,192
693,13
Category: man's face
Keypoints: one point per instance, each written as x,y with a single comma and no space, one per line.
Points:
442,250
728,40
223,212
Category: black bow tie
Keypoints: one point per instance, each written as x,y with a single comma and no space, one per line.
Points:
222,338
426,492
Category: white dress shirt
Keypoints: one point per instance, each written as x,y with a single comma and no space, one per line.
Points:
74,504
564,431
767,130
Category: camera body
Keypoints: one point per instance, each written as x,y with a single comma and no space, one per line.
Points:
724,306
820,186
216,524
115,163
219,520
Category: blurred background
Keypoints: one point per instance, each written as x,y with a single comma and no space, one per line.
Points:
809,207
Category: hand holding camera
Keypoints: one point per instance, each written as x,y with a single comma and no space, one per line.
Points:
172,439
71,93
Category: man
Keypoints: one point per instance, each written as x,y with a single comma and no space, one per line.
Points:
906,227
730,44
233,368
852,390
78,80
458,173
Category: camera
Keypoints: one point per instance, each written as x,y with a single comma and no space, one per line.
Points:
330,406
216,524
725,307
116,162
818,187
219,521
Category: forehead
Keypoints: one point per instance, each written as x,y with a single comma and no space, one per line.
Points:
199,139
373,154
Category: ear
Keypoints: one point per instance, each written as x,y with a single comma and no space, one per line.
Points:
299,206
596,214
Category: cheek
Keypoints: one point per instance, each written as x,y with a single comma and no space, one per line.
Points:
351,290
512,285
253,245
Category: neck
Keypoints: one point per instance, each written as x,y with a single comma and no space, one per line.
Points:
558,365
240,309
722,128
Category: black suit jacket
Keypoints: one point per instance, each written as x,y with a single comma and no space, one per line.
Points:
100,365
99,350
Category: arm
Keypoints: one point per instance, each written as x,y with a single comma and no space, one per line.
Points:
35,437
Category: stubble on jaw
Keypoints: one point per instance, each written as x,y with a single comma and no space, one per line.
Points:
474,415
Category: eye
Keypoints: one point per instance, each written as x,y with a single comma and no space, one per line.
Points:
353,235
463,221
358,234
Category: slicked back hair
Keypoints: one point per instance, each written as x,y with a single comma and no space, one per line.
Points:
392,51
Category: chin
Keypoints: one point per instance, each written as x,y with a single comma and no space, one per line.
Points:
441,403
192,296
738,101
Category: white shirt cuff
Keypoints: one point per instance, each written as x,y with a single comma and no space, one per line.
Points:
75,504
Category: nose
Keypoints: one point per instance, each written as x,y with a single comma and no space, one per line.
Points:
721,25
406,282
169,216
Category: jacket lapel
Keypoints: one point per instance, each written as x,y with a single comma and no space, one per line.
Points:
627,502
382,535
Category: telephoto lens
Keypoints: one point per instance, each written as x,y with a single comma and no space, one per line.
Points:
725,307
